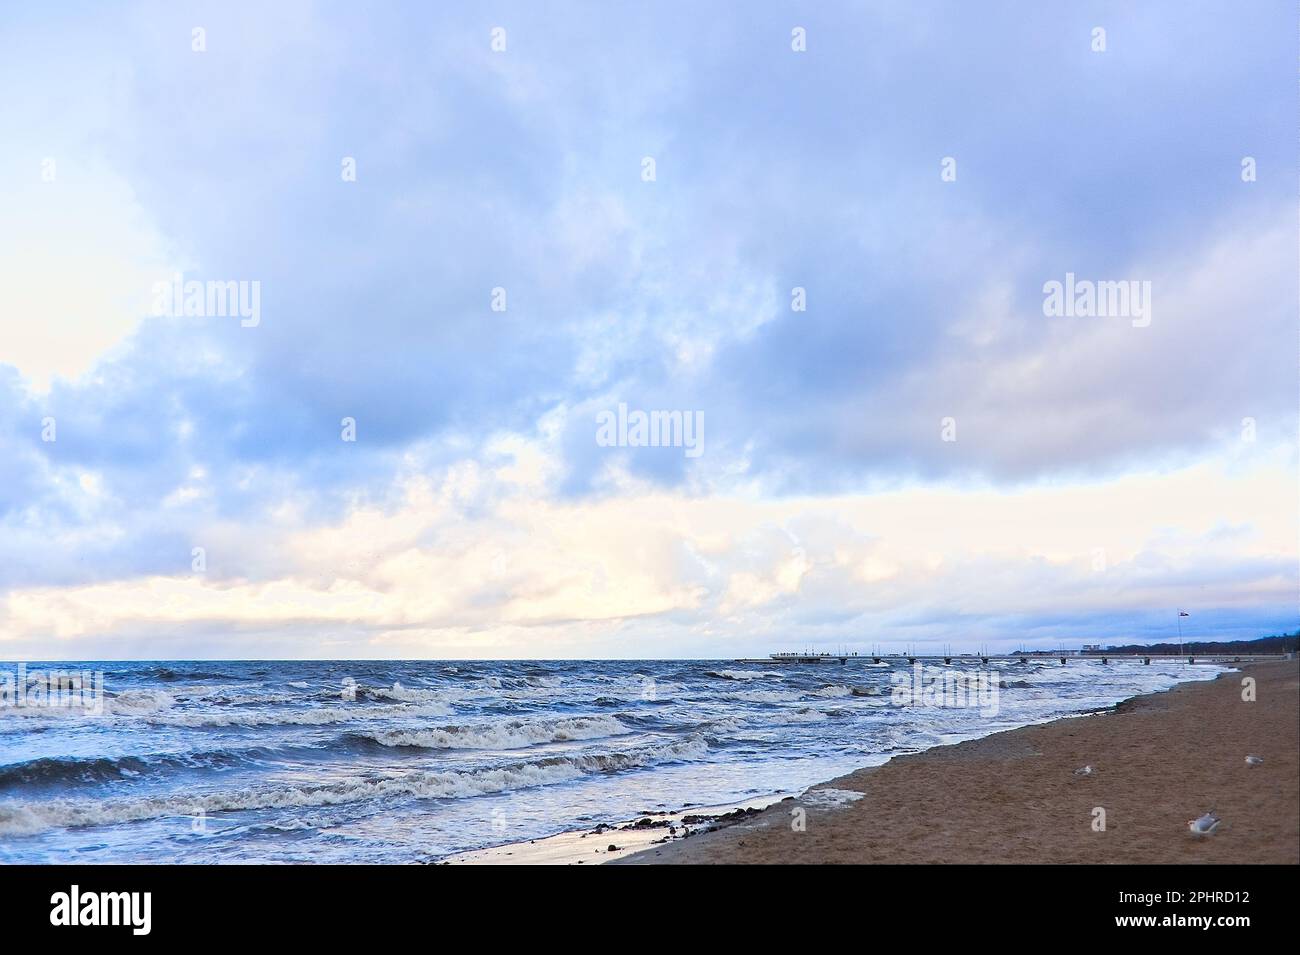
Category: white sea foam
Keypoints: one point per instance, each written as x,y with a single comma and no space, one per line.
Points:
727,724
139,702
805,715
25,818
340,712
129,703
407,694
514,734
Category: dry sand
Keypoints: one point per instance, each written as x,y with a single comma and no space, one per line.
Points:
1014,797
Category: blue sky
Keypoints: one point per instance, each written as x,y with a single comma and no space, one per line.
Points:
1102,475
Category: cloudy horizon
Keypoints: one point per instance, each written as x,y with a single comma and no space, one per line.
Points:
643,332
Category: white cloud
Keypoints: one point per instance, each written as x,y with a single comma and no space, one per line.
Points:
451,566
78,259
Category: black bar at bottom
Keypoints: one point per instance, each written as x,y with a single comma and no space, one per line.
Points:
335,904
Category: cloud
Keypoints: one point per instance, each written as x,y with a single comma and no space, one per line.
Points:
521,171
480,557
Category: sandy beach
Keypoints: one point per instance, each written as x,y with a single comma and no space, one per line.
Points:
1015,797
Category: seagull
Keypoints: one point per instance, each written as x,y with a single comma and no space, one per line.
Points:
1205,825
1086,771
1254,760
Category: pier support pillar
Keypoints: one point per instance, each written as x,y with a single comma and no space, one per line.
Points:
1104,660
1146,661
1062,661
1191,659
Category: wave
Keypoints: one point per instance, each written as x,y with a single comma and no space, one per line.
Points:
168,675
546,682
514,734
805,715
403,694
128,703
58,770
724,726
317,716
27,818
830,691
34,713
763,696
508,685
138,702
744,675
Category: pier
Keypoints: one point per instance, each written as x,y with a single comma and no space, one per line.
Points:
1059,657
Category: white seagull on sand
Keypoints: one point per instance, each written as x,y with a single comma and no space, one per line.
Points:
1205,825
1254,760
1086,771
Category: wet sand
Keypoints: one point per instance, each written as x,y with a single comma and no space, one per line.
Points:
599,845
1014,797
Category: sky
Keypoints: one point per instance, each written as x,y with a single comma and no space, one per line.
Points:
822,235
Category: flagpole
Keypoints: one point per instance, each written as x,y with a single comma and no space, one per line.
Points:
1180,632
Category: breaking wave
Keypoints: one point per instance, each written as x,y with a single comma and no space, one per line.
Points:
744,675
515,734
29,817
319,716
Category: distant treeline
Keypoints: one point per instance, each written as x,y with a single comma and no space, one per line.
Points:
1286,643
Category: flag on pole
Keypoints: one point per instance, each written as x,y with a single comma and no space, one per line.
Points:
1183,613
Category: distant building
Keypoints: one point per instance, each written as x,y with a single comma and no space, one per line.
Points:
1092,648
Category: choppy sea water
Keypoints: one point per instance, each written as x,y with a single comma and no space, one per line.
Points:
363,761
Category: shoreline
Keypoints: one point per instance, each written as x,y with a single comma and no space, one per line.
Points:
655,837
1158,759
605,843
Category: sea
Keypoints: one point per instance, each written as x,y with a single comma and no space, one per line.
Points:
413,761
